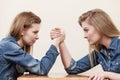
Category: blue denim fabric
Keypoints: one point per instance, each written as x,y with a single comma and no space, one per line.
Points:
109,59
11,54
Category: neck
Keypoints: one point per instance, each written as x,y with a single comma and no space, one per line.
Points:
20,43
106,41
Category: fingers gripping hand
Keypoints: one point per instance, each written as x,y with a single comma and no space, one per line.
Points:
57,33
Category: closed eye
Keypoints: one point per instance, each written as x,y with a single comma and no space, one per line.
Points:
85,30
35,32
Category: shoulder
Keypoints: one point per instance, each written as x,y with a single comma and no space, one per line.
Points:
9,46
118,40
9,43
115,40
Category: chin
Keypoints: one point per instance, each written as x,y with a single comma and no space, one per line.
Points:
31,44
91,43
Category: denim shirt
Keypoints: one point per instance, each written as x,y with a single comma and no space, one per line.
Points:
109,59
11,54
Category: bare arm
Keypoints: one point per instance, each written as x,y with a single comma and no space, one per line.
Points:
65,55
113,76
58,35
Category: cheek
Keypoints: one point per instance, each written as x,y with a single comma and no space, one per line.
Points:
91,34
28,36
28,40
96,37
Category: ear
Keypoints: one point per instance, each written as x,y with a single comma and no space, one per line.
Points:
23,32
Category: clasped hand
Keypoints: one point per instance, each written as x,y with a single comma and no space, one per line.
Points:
57,35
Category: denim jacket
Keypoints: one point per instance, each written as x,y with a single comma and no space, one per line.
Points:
109,59
11,54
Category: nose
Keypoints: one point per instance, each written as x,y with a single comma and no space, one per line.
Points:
37,37
85,35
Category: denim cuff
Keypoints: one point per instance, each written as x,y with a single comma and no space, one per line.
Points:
54,50
72,65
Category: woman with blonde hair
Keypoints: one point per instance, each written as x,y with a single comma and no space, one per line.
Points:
15,49
104,42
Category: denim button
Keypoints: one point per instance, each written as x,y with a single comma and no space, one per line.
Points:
117,63
10,78
108,69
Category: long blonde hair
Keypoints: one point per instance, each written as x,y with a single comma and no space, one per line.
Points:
23,20
102,22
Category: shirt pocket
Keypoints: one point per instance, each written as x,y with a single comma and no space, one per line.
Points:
116,66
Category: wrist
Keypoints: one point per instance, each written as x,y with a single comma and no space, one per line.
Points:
106,74
55,43
61,43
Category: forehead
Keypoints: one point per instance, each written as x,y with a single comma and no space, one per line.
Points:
35,26
86,25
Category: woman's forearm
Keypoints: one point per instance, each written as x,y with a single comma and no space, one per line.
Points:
65,55
113,76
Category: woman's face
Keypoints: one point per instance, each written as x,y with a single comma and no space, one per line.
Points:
91,34
30,35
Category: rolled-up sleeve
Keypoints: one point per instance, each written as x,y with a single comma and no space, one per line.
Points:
79,66
16,55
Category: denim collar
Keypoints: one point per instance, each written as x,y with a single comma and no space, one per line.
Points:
113,43
112,46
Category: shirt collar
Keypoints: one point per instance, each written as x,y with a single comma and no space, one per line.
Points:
113,43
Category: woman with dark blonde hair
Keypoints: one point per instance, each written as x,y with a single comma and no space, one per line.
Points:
15,49
104,42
